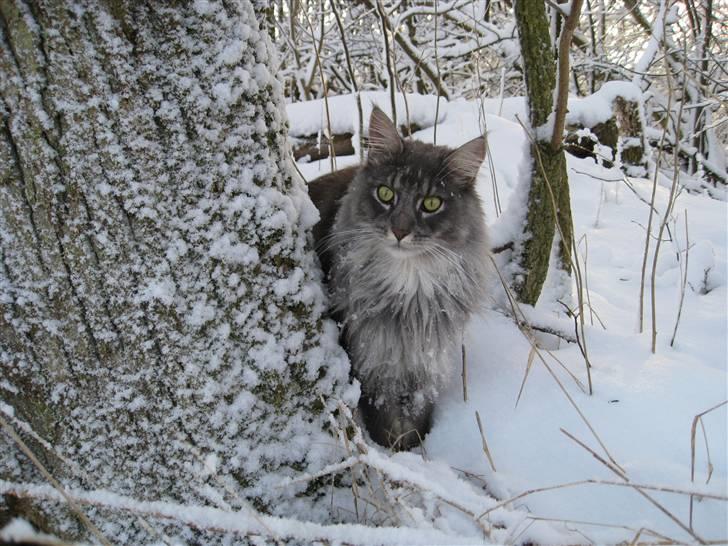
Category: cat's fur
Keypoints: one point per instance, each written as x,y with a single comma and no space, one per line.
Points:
403,303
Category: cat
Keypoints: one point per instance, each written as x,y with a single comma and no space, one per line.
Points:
403,243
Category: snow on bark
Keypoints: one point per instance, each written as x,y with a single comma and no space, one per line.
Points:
159,299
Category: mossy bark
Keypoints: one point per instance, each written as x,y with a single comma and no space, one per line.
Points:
158,295
548,198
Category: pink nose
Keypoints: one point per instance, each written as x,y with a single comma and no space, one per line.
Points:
400,233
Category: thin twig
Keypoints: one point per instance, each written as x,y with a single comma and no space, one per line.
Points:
666,215
388,60
562,86
352,76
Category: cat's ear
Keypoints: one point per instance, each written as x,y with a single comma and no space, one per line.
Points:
465,161
383,137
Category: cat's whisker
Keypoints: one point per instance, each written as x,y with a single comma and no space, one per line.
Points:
453,259
326,243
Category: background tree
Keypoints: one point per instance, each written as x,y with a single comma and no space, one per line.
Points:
548,198
161,311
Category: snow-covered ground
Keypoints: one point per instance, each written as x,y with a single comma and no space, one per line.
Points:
642,409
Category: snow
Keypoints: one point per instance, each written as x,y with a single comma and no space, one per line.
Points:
309,118
643,404
656,38
19,530
598,108
241,523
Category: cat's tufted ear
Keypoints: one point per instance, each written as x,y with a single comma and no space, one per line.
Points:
466,160
383,137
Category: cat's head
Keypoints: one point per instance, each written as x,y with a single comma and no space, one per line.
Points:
418,198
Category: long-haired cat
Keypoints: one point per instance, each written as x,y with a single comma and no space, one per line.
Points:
403,242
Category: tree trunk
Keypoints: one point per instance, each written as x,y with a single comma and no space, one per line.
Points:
548,198
160,306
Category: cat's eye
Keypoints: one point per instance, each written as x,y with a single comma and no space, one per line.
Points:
385,194
431,203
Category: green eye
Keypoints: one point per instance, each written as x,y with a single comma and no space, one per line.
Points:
385,194
431,203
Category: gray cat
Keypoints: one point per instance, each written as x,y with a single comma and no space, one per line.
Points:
403,242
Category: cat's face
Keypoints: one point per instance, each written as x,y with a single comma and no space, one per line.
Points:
415,197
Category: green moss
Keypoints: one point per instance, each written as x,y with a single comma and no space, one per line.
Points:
285,263
316,407
272,389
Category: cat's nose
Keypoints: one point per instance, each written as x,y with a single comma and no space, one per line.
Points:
400,233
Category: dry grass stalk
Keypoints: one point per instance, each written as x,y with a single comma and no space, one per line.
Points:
576,380
573,262
652,201
693,431
513,536
485,444
664,539
638,489
510,500
683,279
518,313
464,372
55,483
593,481
668,209
529,363
372,460
648,234
27,429
617,470
586,279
